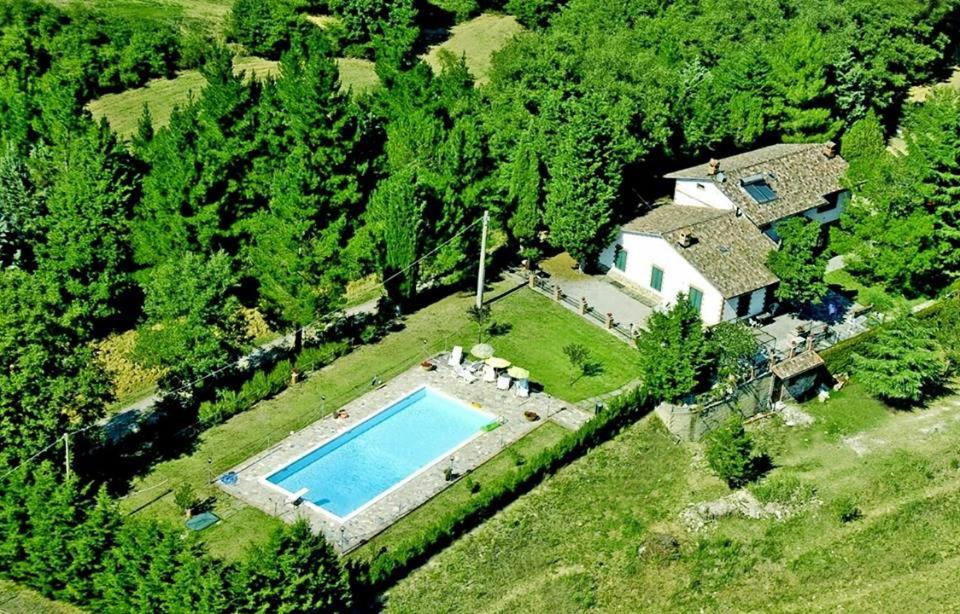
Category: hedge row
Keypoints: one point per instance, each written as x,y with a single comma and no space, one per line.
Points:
371,577
264,383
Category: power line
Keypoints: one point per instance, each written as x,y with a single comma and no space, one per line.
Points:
302,329
381,285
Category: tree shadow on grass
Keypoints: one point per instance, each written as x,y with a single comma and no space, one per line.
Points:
592,368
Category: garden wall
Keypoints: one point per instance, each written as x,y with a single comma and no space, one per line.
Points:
691,423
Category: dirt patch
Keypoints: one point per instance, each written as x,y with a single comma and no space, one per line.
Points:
862,444
741,503
937,428
794,416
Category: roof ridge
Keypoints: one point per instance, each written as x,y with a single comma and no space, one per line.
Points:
718,213
791,149
773,158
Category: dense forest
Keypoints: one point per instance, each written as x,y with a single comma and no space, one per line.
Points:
277,193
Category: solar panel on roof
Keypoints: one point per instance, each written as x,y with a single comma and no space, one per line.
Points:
758,189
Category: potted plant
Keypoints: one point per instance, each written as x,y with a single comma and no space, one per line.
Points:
427,365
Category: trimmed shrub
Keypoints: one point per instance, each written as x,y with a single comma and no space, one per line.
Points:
733,455
313,358
260,386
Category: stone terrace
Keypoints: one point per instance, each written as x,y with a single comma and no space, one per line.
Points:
369,521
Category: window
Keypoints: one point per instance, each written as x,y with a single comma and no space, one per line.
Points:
656,279
758,189
620,259
695,297
700,186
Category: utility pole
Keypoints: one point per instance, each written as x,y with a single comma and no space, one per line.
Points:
66,446
483,260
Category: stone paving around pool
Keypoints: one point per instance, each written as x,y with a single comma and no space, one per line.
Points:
361,526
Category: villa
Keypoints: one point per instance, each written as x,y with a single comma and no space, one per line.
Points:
711,240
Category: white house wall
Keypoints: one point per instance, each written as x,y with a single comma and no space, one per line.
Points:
702,193
643,253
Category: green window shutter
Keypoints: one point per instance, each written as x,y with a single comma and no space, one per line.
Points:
656,279
620,261
696,298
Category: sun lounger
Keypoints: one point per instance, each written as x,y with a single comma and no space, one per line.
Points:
489,374
503,382
456,356
523,388
465,375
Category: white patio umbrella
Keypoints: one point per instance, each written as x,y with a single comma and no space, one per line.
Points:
482,351
518,372
497,362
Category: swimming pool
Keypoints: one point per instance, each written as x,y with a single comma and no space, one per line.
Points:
353,469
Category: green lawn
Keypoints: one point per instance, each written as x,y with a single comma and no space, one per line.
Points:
572,543
539,329
477,40
424,517
15,599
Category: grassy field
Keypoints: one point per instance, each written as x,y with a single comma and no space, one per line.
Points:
15,599
208,13
573,543
477,40
537,330
123,109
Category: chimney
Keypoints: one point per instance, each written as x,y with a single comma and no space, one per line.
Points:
713,167
685,239
830,149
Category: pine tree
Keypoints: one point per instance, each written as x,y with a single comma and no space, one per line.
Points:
525,194
52,509
193,323
903,363
295,571
49,381
584,182
18,211
88,546
396,210
86,246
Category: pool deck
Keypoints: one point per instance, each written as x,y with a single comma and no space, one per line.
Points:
360,526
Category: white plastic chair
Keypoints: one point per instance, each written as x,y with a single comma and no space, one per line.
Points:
456,356
503,382
489,374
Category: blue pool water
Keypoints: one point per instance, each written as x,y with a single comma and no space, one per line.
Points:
347,472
